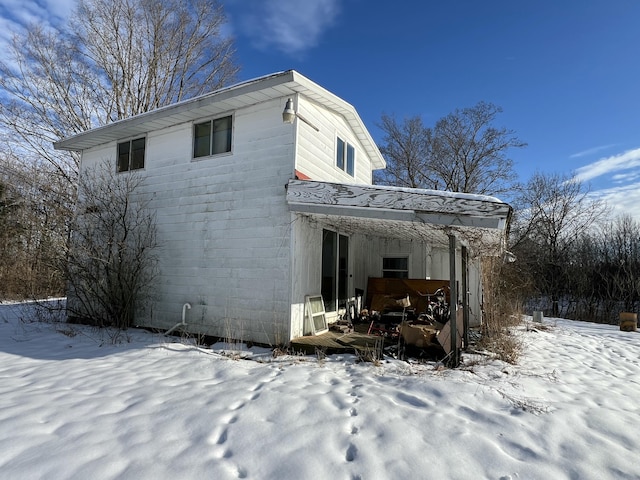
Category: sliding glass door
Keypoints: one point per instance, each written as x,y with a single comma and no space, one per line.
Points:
335,269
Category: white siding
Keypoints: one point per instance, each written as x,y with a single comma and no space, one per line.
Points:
306,261
316,151
223,226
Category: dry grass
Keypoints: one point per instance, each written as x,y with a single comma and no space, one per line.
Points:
502,312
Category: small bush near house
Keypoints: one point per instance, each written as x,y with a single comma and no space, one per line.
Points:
111,260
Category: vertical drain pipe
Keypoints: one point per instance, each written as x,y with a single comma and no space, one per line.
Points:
185,307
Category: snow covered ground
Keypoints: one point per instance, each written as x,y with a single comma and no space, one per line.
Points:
75,405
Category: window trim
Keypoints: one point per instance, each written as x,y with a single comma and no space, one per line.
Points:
130,141
211,137
344,161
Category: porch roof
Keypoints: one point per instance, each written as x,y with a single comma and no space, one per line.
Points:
479,221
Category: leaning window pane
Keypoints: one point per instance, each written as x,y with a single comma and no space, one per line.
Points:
202,139
222,135
123,156
351,153
137,154
340,154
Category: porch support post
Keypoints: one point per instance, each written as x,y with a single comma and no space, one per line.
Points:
465,296
453,303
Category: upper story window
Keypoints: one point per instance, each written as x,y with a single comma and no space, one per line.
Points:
131,154
212,137
345,156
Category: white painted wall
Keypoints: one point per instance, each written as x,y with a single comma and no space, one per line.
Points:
223,226
306,266
316,150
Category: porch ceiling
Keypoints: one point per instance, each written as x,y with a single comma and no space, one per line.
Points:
414,214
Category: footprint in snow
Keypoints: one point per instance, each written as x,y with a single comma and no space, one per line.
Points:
352,453
254,396
222,438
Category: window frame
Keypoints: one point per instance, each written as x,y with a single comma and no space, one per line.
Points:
395,271
345,156
316,316
212,136
131,154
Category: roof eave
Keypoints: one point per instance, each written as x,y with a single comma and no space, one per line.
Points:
275,85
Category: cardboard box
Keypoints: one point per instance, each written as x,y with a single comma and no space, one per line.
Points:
420,336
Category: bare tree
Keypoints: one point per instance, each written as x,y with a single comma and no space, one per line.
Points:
113,59
33,226
49,92
464,152
407,149
111,260
553,212
151,53
470,154
620,260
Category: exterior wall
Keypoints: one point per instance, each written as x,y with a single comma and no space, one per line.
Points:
315,156
306,266
223,225
316,150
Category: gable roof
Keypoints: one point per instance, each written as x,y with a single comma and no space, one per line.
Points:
230,98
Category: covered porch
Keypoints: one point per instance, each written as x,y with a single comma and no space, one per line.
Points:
462,225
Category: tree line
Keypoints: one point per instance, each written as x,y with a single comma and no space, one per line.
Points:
571,258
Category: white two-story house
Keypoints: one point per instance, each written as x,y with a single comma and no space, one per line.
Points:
263,197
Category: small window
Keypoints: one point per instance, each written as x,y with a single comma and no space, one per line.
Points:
212,137
395,267
345,156
131,155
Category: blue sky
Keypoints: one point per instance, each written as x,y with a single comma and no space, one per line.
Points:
566,73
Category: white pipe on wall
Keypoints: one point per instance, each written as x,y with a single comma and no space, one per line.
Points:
183,323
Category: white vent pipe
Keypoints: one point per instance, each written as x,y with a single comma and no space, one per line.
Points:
185,307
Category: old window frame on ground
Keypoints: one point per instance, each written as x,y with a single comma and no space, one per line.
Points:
315,315
130,154
212,137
